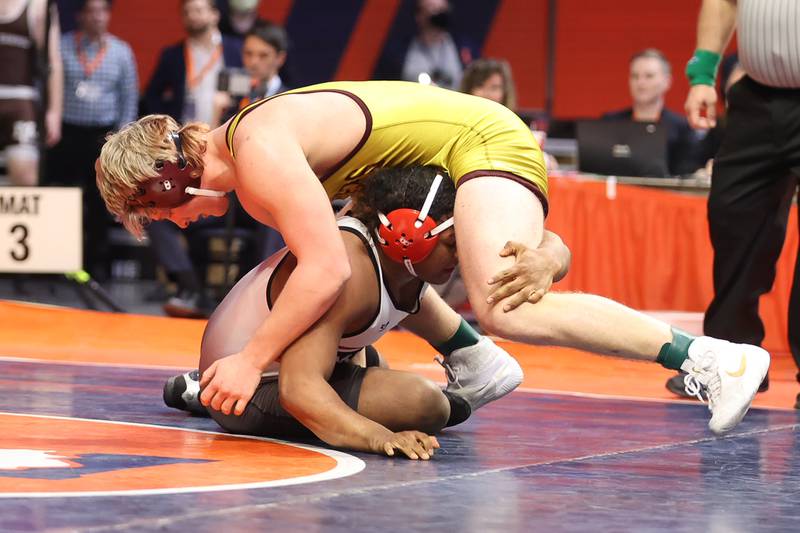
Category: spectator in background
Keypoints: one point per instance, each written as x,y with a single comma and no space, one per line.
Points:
27,28
241,17
650,79
263,54
101,92
492,79
185,79
757,167
183,86
433,56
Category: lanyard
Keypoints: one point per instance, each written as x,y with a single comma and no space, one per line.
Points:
255,94
193,79
89,67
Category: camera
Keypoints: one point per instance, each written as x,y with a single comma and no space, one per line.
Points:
234,81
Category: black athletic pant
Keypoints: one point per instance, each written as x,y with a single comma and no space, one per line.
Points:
755,176
71,164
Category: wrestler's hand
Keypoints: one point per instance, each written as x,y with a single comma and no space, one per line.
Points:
229,383
701,98
413,444
527,280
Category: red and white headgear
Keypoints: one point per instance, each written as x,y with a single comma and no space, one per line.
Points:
409,236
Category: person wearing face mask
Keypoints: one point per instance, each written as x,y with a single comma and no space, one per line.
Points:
241,18
649,81
433,56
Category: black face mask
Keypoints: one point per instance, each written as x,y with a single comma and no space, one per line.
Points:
441,20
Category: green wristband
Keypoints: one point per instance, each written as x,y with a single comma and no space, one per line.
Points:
702,68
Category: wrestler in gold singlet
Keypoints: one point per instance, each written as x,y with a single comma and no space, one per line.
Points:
413,124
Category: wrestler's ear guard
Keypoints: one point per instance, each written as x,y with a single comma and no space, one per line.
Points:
174,186
409,236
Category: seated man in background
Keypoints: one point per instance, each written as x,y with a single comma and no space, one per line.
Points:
650,79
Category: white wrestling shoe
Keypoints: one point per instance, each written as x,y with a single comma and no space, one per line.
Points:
481,373
730,374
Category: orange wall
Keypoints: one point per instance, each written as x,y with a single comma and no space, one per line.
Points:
519,34
596,39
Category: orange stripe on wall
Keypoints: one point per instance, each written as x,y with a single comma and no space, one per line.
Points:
519,35
367,40
276,10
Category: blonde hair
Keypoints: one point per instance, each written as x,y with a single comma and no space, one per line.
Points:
128,159
481,70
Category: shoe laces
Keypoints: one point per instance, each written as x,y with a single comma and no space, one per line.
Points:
704,376
448,370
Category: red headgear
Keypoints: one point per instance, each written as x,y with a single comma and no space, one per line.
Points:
174,185
409,236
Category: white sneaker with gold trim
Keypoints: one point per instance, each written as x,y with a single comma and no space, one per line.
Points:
729,373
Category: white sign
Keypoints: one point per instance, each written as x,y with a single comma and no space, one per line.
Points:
40,229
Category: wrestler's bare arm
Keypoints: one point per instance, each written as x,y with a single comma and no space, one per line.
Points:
307,364
273,173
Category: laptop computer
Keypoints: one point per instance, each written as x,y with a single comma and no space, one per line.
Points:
622,148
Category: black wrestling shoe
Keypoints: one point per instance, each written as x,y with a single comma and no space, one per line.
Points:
676,386
183,393
459,409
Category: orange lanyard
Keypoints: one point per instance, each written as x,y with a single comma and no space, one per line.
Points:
247,100
89,67
193,79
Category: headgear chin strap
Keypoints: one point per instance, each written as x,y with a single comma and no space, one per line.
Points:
409,236
174,186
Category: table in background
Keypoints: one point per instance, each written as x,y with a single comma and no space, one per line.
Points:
648,247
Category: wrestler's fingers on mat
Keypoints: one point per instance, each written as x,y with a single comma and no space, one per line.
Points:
411,449
420,443
429,443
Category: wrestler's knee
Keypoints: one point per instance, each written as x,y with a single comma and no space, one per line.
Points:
430,405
